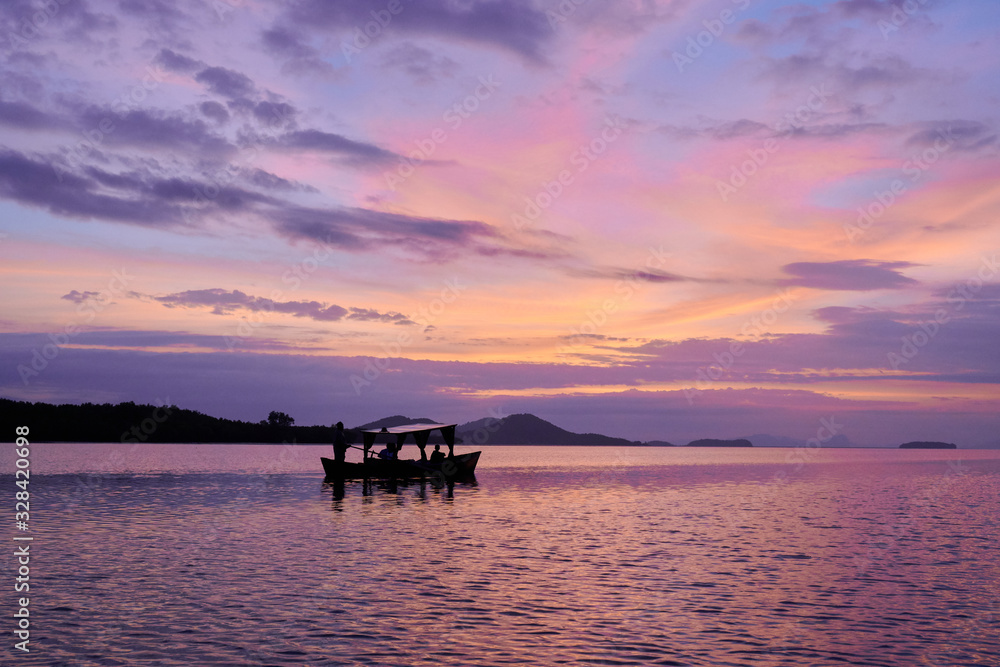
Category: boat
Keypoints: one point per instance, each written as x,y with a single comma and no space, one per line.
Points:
452,467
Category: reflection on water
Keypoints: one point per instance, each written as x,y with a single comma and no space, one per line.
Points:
866,560
434,486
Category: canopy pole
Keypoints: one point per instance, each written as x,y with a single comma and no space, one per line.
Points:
421,438
448,432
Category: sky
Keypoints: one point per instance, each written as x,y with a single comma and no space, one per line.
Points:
655,219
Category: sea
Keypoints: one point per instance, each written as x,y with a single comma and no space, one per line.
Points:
187,554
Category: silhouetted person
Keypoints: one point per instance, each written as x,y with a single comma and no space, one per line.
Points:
389,453
437,455
340,445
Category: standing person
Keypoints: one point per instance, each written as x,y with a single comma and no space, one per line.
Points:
340,445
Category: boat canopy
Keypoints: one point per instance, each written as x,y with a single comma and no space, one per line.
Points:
420,433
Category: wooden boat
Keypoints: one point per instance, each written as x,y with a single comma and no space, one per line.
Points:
452,467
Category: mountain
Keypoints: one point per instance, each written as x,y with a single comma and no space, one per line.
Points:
395,420
928,445
484,423
435,438
525,429
765,440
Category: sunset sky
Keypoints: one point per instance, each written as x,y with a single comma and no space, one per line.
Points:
661,219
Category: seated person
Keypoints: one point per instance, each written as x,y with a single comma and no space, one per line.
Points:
389,453
437,455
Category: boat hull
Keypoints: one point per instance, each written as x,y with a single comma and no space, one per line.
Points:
462,466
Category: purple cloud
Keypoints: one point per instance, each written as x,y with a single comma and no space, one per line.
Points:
514,25
300,58
284,41
817,125
636,275
361,229
317,140
26,117
882,73
160,15
963,135
225,302
175,62
150,129
226,82
275,114
738,129
848,274
226,197
141,197
40,184
868,8
214,110
266,180
371,315
423,65
80,297
72,22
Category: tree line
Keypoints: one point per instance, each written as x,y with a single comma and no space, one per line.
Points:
131,422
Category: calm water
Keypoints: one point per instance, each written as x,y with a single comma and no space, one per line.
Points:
240,555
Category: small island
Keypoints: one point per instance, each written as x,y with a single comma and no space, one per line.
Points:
928,445
712,442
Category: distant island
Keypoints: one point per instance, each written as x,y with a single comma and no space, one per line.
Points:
928,445
525,429
709,442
